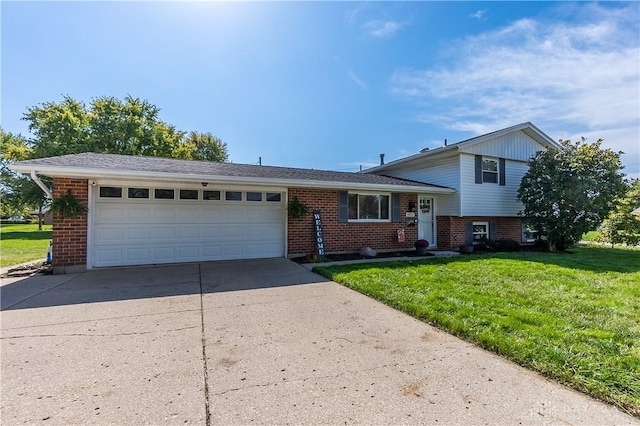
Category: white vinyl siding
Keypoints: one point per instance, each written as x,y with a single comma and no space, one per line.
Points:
513,146
443,172
490,200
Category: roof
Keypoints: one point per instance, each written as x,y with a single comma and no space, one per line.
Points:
92,165
528,128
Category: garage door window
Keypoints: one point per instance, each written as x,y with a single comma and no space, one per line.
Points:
233,196
164,194
188,194
211,195
110,192
138,192
254,196
274,197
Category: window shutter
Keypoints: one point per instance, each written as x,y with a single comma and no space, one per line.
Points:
343,206
470,233
493,231
501,172
478,168
395,208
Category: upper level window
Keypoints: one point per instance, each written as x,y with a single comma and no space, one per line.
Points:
489,170
369,207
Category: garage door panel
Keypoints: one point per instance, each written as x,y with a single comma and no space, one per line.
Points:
109,234
138,234
212,232
234,232
139,214
188,233
151,231
137,254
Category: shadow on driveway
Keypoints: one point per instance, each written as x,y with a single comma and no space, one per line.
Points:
152,281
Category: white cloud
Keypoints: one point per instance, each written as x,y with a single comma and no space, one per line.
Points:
479,14
565,76
383,29
357,80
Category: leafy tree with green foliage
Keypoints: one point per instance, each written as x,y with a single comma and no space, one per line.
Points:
569,191
202,146
112,126
20,195
622,227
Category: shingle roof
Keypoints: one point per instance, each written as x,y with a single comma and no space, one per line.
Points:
111,163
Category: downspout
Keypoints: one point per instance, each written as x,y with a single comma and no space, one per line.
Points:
41,184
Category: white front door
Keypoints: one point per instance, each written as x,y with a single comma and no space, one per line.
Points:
426,216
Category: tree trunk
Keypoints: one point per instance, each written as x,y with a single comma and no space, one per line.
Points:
552,246
40,218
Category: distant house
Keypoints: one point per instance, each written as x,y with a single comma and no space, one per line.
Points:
485,172
148,210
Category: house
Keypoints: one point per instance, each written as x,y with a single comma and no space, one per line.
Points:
485,172
149,210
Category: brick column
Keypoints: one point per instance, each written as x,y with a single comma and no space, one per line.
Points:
70,234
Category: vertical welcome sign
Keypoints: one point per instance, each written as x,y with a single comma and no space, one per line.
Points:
317,225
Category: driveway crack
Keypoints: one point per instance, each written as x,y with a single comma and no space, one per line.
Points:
204,353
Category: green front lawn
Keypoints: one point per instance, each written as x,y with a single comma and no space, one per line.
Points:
23,243
573,317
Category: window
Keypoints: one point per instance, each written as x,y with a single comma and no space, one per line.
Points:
110,192
368,207
480,231
138,192
489,170
274,196
163,194
529,235
188,194
254,196
233,196
211,195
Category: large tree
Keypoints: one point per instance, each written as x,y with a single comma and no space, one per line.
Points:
621,226
202,146
570,190
20,195
109,125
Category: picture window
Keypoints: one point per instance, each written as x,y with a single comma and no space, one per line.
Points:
368,207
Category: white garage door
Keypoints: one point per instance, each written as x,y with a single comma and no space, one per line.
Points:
147,225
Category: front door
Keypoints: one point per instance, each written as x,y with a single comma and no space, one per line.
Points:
426,215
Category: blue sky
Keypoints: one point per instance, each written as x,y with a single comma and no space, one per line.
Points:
332,85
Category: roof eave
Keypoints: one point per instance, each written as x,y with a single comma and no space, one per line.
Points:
86,173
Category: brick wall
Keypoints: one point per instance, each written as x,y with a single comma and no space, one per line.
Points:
344,237
452,230
70,235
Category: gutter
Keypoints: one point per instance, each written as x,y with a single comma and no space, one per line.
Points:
80,172
36,179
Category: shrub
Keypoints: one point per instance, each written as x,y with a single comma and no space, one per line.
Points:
484,244
507,244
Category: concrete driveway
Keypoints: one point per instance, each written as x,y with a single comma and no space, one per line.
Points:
256,342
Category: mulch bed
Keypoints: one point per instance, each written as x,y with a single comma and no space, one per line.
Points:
356,256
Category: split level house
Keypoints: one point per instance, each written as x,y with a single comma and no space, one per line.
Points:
149,210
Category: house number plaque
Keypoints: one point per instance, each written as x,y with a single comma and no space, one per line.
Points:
317,225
